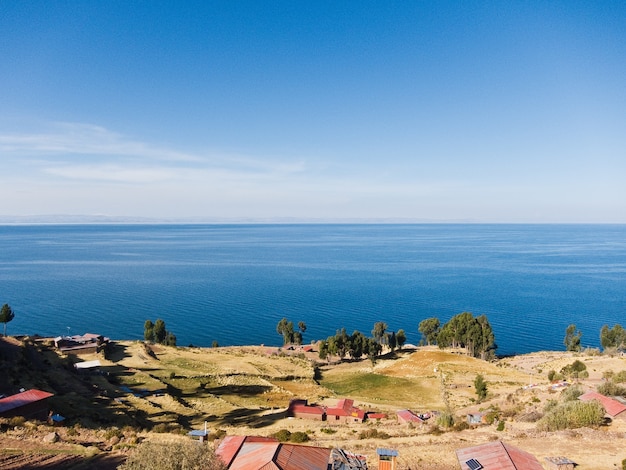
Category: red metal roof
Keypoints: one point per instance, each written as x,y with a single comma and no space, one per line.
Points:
252,453
409,417
612,407
22,399
345,407
498,456
316,410
230,445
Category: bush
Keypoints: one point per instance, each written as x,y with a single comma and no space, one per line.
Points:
445,420
328,430
284,435
299,437
612,389
620,377
461,426
572,393
500,426
572,415
184,455
373,434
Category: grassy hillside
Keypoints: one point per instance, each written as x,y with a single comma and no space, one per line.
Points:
143,392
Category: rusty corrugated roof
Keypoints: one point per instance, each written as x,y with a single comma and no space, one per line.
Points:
22,399
409,416
230,445
498,456
612,407
252,453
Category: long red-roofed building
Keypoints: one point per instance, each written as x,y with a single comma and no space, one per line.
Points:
31,404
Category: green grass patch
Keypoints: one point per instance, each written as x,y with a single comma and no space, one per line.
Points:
381,388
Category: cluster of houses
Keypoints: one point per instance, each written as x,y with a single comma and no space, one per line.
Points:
344,411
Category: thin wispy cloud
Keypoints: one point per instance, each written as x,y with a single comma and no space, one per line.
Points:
78,151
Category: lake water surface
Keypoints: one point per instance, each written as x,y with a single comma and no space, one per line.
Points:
233,283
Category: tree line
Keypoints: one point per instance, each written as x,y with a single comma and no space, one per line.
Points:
465,331
358,344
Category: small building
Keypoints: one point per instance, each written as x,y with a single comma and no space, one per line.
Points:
30,404
375,415
201,434
346,411
299,408
89,343
560,463
88,367
386,458
407,416
496,455
476,418
253,453
614,409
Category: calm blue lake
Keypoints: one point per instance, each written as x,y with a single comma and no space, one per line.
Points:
233,283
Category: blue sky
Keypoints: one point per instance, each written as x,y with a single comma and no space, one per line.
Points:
428,111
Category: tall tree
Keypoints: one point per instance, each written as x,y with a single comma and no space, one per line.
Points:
379,331
323,352
392,340
401,338
285,328
429,328
572,338
6,315
148,331
612,337
159,331
481,387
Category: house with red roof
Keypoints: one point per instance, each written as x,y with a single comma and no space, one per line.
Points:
407,416
30,404
258,453
299,408
496,455
614,409
346,411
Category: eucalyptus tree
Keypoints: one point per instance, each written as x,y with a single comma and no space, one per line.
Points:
6,315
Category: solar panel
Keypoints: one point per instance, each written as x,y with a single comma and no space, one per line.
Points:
473,464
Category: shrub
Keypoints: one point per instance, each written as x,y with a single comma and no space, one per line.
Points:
551,375
550,405
500,426
612,389
620,377
113,432
461,426
572,393
328,430
445,420
373,434
284,435
572,415
17,421
299,437
172,456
